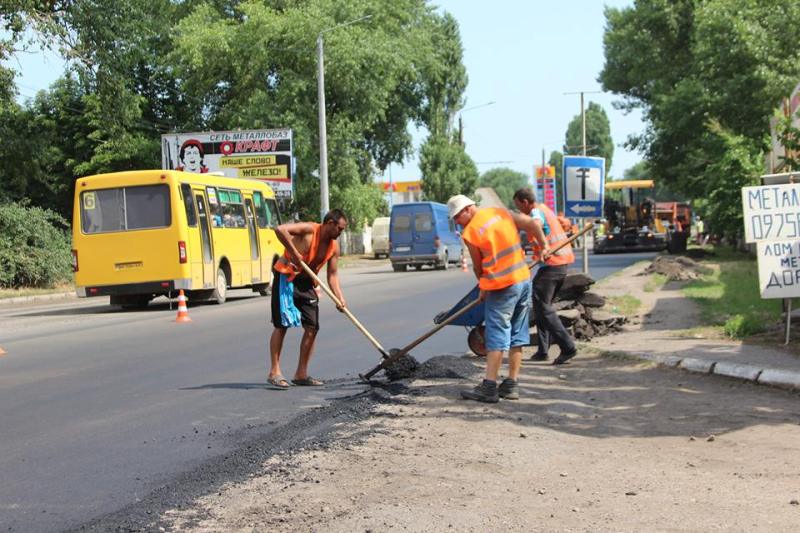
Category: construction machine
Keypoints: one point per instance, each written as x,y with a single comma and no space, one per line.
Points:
631,223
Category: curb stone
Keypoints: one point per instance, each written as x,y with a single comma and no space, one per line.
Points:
36,298
786,379
701,366
774,377
737,370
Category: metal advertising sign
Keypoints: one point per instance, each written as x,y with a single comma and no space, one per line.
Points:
584,179
779,269
771,212
257,154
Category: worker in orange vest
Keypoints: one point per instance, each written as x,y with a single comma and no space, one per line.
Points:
549,278
566,224
295,301
498,261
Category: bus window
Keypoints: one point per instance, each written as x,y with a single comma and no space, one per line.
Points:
232,208
214,209
188,205
273,215
262,215
125,208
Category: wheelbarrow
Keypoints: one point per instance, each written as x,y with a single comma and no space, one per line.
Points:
471,319
474,317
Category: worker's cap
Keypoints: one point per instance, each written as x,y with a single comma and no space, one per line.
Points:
457,203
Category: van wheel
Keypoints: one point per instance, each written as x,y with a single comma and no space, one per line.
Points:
221,289
418,267
444,265
398,268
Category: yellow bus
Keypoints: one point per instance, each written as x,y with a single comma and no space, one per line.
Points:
141,234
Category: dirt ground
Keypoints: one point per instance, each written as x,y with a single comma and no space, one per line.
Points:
601,444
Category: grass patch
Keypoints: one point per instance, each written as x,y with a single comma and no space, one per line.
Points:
625,304
729,295
14,293
655,282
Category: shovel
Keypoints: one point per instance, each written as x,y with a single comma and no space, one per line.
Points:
395,354
345,310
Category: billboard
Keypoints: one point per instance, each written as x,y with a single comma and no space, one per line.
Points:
264,155
546,186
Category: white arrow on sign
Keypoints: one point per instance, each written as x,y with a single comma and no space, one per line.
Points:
583,208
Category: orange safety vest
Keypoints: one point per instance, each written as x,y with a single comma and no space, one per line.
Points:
494,233
557,234
284,265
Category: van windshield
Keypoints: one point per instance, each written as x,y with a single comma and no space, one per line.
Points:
125,209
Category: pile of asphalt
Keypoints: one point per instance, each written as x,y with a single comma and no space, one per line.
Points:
439,367
676,268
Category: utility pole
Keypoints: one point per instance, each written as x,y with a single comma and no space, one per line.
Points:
323,132
324,197
583,150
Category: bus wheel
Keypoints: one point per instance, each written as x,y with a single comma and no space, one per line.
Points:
221,289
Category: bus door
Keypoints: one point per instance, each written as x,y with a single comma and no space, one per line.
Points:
209,273
252,232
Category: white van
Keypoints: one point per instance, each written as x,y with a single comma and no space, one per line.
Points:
380,237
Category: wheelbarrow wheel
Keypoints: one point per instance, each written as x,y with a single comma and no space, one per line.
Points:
476,342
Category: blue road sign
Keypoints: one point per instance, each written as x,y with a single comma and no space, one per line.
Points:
584,180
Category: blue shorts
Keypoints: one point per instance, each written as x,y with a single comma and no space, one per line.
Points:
507,313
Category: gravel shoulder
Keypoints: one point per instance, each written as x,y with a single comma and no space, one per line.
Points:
602,444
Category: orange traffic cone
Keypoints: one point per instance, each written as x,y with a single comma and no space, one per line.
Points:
183,312
464,263
2,351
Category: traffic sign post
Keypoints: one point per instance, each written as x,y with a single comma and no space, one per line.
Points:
584,180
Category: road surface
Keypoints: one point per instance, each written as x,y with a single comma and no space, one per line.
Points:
99,406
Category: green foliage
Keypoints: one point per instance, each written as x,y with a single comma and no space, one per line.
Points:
728,296
598,135
729,64
789,138
146,67
34,247
740,326
505,183
446,169
557,160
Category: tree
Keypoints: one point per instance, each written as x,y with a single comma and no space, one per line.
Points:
505,183
708,107
146,67
598,135
446,169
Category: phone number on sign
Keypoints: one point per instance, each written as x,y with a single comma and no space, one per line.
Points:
775,226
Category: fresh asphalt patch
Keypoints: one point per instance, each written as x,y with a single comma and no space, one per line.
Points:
319,429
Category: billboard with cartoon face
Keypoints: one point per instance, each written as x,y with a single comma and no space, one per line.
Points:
264,155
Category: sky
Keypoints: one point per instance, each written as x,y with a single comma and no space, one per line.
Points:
523,55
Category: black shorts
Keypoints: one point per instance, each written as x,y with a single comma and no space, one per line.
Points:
305,299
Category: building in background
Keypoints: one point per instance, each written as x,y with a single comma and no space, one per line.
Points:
402,192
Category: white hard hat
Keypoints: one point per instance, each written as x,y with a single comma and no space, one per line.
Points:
456,203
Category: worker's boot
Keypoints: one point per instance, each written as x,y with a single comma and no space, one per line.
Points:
484,392
508,389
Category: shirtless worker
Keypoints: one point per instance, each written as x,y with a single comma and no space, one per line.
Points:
295,301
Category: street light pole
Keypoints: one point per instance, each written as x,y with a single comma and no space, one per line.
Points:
323,132
324,196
